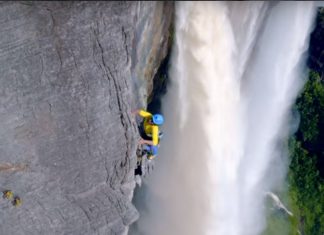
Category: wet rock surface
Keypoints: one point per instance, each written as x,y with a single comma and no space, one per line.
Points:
151,45
67,79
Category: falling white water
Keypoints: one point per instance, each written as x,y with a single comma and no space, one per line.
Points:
236,70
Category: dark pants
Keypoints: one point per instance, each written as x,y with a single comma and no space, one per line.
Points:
142,132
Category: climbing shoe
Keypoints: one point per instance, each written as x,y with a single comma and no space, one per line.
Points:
17,201
8,194
150,157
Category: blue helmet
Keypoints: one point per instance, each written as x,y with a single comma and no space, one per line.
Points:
158,119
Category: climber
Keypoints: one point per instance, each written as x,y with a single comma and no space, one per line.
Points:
151,124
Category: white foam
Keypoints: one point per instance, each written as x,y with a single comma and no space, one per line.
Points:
235,73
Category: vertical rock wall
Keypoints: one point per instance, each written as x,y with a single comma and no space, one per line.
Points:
70,75
150,45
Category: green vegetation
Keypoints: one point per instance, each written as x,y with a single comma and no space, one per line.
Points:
277,222
305,177
305,196
306,183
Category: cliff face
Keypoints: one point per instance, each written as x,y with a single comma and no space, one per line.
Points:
70,75
150,45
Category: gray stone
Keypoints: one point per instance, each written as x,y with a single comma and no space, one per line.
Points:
69,80
150,45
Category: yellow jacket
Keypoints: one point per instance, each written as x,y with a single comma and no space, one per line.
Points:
149,128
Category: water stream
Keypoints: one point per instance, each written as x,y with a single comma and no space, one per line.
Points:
236,70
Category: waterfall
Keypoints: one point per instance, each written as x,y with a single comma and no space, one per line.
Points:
236,70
